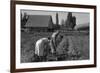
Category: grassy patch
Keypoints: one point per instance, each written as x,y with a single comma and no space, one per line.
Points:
78,42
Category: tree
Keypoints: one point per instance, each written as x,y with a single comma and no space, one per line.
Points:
62,23
74,22
69,17
70,21
57,20
24,19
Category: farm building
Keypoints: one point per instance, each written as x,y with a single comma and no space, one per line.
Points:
38,22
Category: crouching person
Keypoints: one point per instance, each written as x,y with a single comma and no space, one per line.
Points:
62,48
42,49
53,41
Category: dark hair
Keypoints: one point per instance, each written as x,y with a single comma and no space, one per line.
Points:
61,36
49,38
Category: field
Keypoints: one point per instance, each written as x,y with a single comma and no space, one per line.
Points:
79,41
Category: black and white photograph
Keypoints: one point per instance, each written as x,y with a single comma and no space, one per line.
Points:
54,36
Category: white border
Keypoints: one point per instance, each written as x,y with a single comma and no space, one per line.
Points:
53,64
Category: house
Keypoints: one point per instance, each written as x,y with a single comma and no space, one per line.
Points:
38,22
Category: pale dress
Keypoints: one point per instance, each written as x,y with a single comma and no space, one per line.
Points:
40,46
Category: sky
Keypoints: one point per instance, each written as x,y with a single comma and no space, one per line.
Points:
81,18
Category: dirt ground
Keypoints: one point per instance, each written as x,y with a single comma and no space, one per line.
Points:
80,42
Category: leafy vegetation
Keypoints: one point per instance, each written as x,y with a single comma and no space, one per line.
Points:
78,50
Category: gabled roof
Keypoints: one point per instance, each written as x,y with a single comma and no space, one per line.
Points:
38,21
